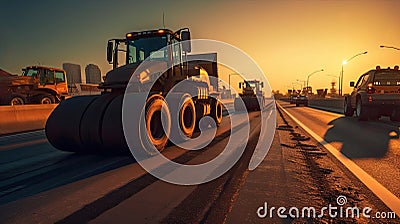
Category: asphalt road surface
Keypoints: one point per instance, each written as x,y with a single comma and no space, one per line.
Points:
39,184
372,145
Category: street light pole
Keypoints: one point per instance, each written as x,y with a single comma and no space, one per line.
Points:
308,77
229,82
396,48
341,81
302,84
341,76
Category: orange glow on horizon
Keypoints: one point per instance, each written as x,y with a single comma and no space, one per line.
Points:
288,39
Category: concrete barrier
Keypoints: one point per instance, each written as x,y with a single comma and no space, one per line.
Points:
21,118
329,104
14,119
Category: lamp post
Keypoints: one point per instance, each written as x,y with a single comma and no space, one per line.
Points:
229,82
341,75
301,84
308,77
295,83
396,48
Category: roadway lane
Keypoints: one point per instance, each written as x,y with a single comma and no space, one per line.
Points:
35,178
30,165
374,145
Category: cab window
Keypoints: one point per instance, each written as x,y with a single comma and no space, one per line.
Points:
60,77
46,77
176,52
140,49
30,72
50,77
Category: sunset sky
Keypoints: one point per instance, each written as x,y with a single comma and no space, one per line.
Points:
288,39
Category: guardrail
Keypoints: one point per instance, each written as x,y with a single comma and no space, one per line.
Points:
22,118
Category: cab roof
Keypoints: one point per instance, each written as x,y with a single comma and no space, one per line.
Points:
44,67
135,35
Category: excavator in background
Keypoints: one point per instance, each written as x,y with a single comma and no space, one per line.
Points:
94,123
36,85
252,95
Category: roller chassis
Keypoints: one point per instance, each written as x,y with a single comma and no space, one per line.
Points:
251,98
116,122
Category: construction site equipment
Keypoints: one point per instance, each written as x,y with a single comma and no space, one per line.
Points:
37,84
94,123
252,96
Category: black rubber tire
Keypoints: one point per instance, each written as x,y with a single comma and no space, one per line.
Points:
17,100
153,115
216,111
361,111
348,110
183,116
63,125
238,106
45,98
252,104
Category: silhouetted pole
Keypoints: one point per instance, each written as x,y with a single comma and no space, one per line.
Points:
341,75
308,77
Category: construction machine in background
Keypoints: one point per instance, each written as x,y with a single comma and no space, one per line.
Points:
94,123
252,96
36,85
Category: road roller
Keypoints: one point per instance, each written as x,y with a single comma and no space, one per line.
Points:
92,124
252,96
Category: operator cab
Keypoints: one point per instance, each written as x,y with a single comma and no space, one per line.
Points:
252,87
46,76
161,49
146,44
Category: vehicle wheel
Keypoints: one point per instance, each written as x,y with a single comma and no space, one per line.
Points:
183,116
238,105
361,111
155,113
45,99
91,123
216,111
17,100
64,123
395,116
253,104
112,132
348,110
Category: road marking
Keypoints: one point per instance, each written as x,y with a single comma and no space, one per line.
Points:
378,189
